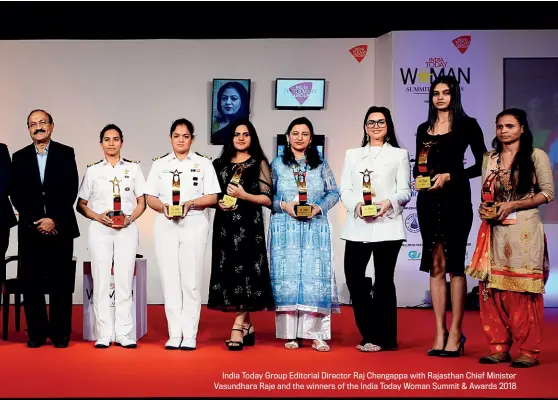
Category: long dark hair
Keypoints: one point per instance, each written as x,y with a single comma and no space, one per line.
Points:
390,135
522,162
312,155
255,149
456,112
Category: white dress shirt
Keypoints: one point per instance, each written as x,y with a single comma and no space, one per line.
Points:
197,178
97,188
391,179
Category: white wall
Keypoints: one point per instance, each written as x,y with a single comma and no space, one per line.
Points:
143,86
482,99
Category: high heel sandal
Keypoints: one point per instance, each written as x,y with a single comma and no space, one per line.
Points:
456,353
438,352
249,337
235,345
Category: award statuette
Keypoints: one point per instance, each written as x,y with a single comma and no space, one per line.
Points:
230,201
302,209
424,182
117,215
368,209
488,195
175,210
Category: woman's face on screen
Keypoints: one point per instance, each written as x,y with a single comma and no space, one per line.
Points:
230,102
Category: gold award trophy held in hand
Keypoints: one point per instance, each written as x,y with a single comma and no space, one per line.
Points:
116,215
424,181
368,209
302,209
176,209
230,201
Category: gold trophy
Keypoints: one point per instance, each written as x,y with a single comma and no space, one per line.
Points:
368,209
488,196
116,215
424,182
230,201
175,210
302,209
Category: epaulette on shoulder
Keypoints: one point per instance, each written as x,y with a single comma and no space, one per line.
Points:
131,161
95,163
164,155
203,155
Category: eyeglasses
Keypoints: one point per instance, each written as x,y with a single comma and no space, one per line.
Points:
42,124
371,123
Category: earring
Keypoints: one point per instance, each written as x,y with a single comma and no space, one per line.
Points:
387,138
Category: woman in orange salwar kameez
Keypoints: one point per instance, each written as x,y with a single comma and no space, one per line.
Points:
511,258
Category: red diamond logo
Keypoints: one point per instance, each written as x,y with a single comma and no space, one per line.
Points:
359,52
462,43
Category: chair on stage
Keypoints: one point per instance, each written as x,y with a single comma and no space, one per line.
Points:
9,287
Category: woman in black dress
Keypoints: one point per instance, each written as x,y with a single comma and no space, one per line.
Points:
445,211
240,279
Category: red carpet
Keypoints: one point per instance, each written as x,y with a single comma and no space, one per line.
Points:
151,371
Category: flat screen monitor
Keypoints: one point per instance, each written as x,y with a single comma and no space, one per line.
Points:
299,94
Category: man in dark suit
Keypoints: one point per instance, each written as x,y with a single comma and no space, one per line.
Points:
44,190
7,216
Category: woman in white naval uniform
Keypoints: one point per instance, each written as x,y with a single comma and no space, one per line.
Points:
379,236
180,242
108,242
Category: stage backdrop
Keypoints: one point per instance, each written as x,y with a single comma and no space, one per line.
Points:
144,85
476,59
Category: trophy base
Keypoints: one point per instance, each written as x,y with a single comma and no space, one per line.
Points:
303,211
117,218
175,211
229,201
490,212
370,210
423,182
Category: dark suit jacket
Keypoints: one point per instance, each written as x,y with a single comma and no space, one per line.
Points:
55,197
7,216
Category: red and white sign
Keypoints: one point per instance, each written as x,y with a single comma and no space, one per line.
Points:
359,52
462,43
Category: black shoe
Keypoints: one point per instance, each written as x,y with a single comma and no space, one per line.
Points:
460,350
62,344
495,358
524,363
34,344
436,352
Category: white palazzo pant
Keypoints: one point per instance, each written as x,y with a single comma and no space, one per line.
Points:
303,325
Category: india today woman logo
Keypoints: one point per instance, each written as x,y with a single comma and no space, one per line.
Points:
462,43
359,52
301,91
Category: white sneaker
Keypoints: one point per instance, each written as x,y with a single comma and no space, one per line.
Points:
173,343
188,344
103,342
125,342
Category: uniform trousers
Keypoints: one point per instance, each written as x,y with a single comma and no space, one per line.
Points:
180,247
105,243
508,316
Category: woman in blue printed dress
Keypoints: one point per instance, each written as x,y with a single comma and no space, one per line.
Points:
302,275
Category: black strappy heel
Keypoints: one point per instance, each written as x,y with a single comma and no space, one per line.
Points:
249,338
235,345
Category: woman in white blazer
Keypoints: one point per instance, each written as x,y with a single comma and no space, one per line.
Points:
380,235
